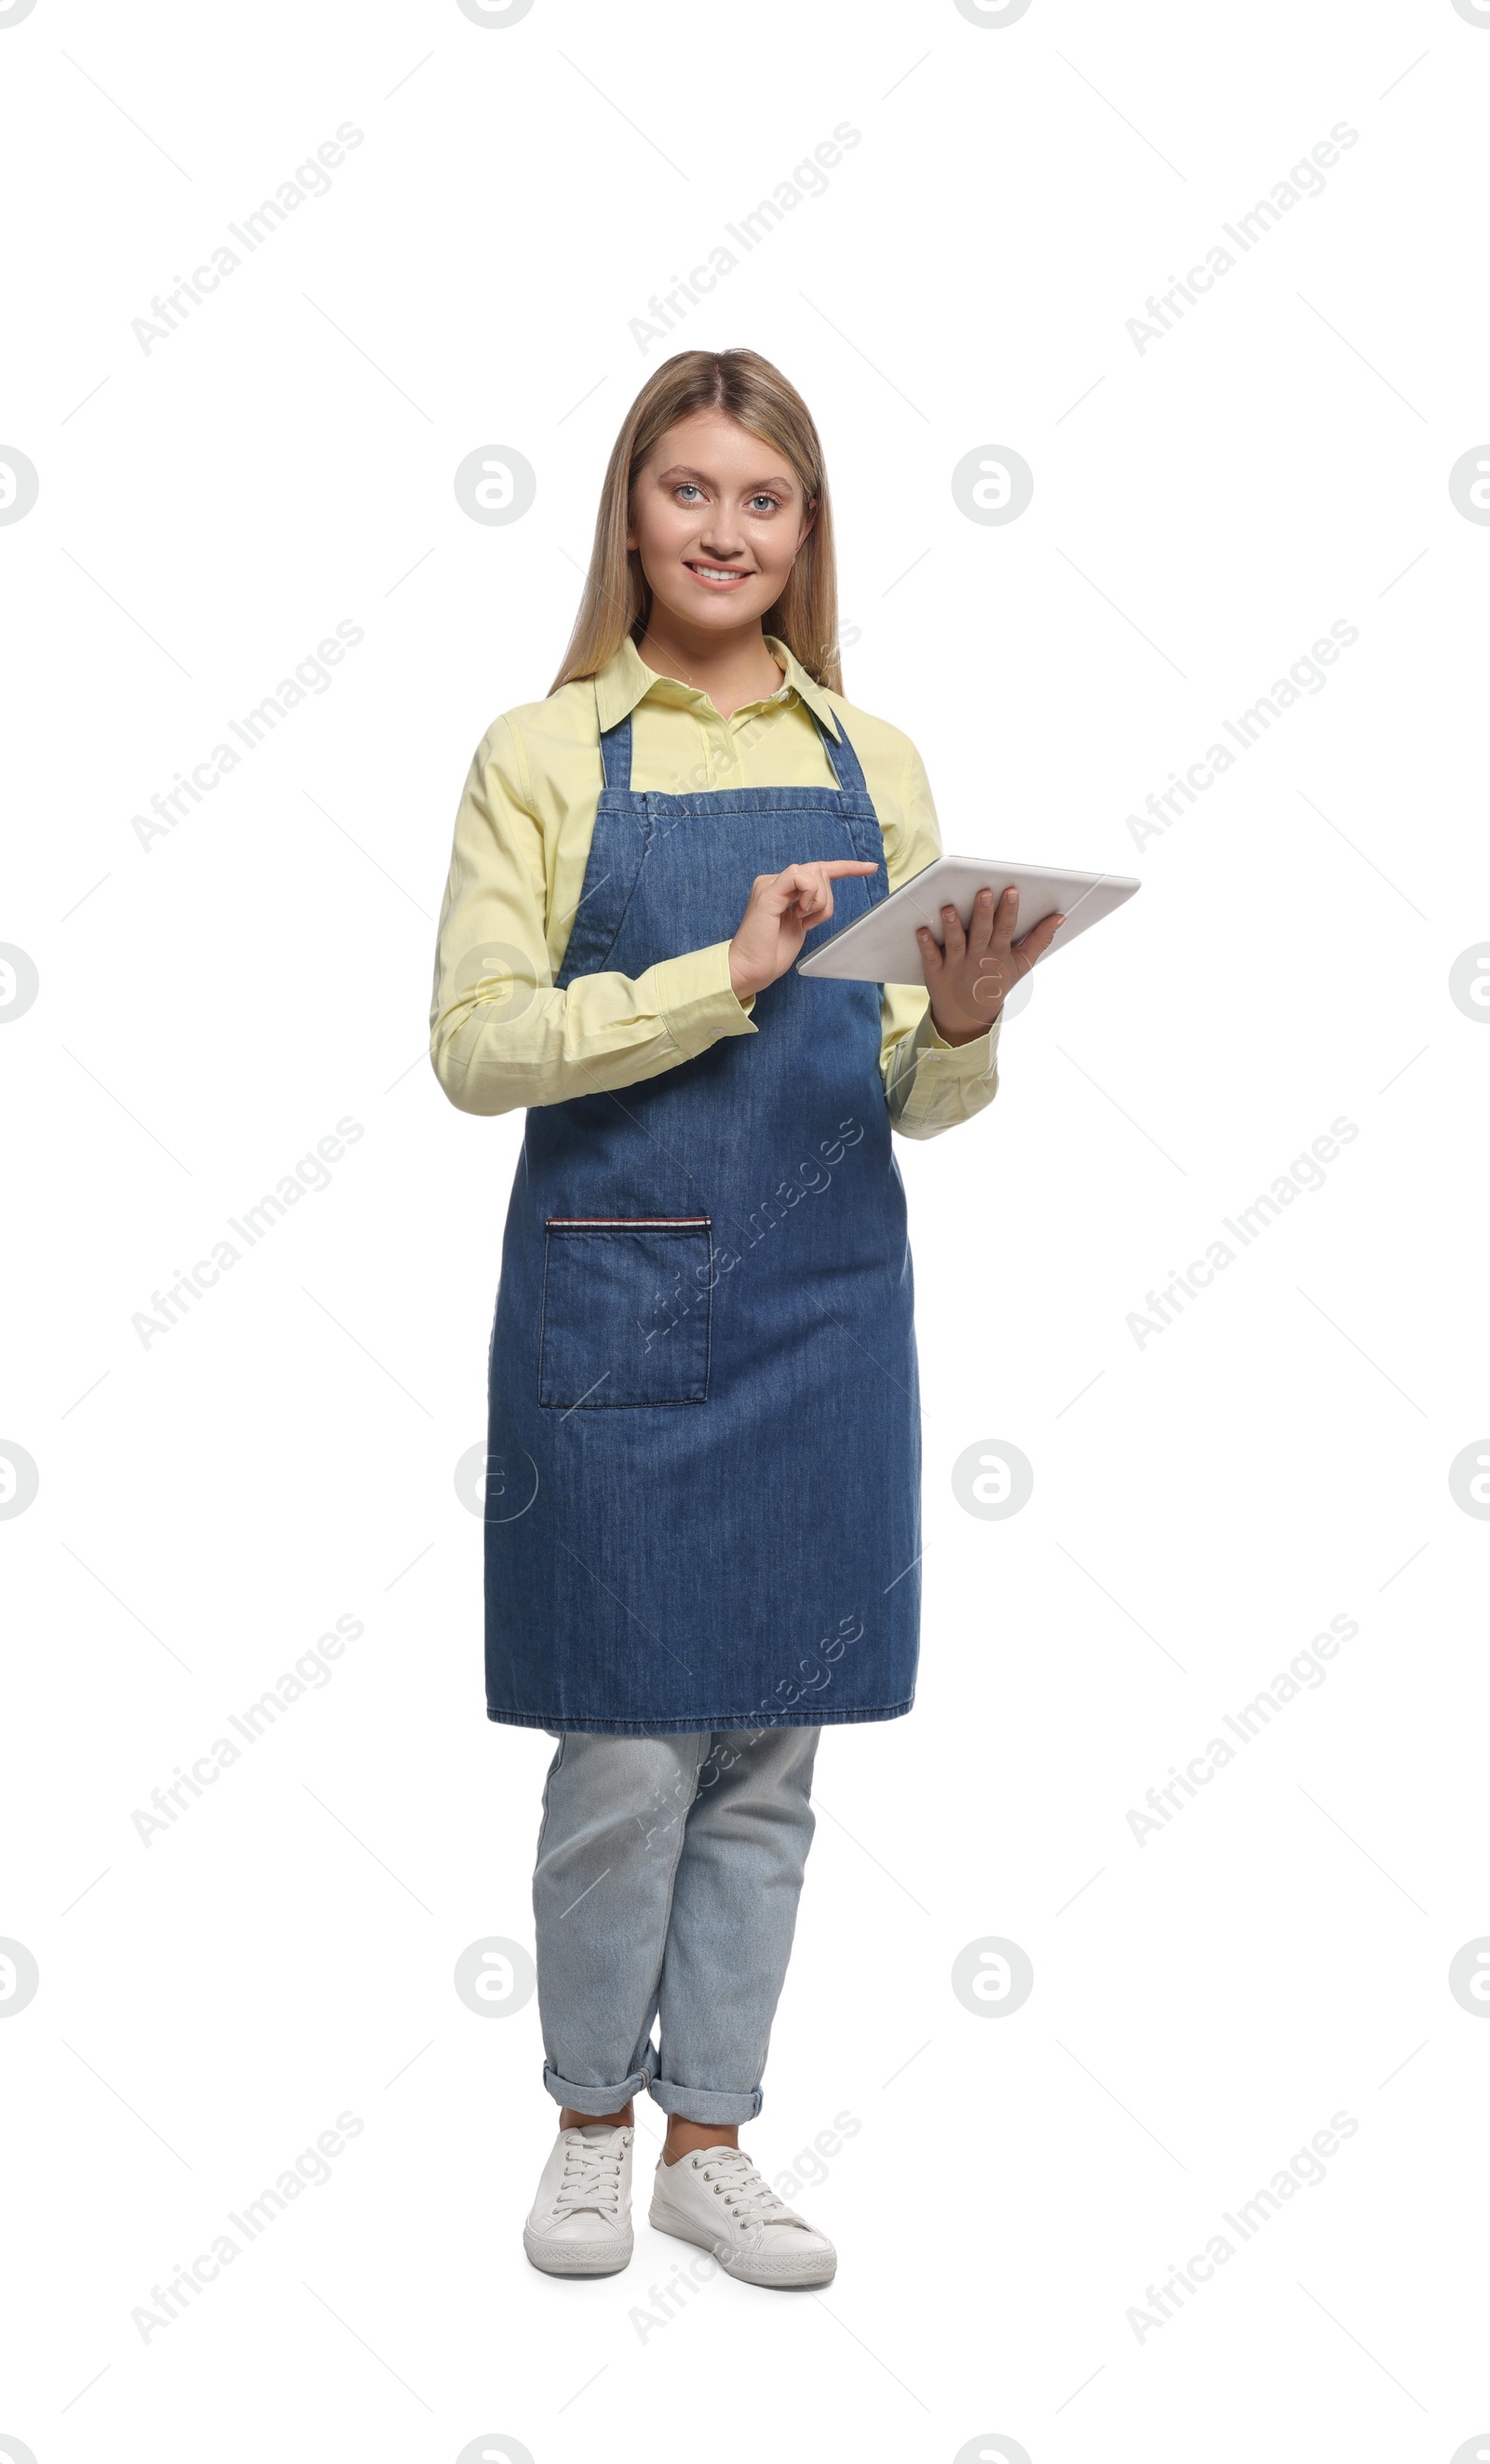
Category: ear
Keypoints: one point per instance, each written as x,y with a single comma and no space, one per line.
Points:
809,519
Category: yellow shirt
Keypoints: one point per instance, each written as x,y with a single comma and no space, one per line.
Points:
502,1036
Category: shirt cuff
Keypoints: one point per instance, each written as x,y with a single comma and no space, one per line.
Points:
696,1002
965,1061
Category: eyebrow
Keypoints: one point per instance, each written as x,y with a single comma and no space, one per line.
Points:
688,471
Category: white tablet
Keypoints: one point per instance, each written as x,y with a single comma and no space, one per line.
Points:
881,947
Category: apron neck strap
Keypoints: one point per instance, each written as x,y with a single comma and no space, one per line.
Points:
842,758
616,754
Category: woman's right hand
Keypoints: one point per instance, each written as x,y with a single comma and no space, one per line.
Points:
781,913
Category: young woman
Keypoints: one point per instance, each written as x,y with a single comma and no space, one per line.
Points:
703,1514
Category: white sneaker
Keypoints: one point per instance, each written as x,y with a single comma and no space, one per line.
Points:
581,2223
716,2198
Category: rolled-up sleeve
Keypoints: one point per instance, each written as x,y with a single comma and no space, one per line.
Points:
930,1084
501,1034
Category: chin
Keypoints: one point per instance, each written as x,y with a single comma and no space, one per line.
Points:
733,608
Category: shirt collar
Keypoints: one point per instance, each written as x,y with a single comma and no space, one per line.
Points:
626,679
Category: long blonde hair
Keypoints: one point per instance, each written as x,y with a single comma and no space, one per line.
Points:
617,600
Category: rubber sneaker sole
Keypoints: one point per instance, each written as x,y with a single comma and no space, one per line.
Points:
769,2268
577,2258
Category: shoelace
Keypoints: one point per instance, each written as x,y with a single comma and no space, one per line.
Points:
591,2177
746,2193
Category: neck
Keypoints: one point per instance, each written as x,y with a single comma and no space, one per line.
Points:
731,668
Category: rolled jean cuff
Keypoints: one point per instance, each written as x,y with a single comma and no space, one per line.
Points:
705,2104
594,2099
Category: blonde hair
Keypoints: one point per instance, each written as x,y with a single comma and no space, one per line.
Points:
617,600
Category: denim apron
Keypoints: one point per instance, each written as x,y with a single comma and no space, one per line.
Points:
703,1485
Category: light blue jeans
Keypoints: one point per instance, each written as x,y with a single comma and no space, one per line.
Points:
666,1889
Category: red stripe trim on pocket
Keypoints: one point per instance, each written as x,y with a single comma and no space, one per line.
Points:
627,1222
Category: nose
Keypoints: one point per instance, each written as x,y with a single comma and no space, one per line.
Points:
720,535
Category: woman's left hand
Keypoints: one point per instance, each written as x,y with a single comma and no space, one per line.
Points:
974,971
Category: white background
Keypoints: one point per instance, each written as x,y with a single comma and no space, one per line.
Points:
1204,1502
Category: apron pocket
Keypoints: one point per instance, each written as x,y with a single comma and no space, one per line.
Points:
626,1311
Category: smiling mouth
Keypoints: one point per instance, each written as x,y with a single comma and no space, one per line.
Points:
718,577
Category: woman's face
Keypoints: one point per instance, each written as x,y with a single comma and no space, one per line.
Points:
717,516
